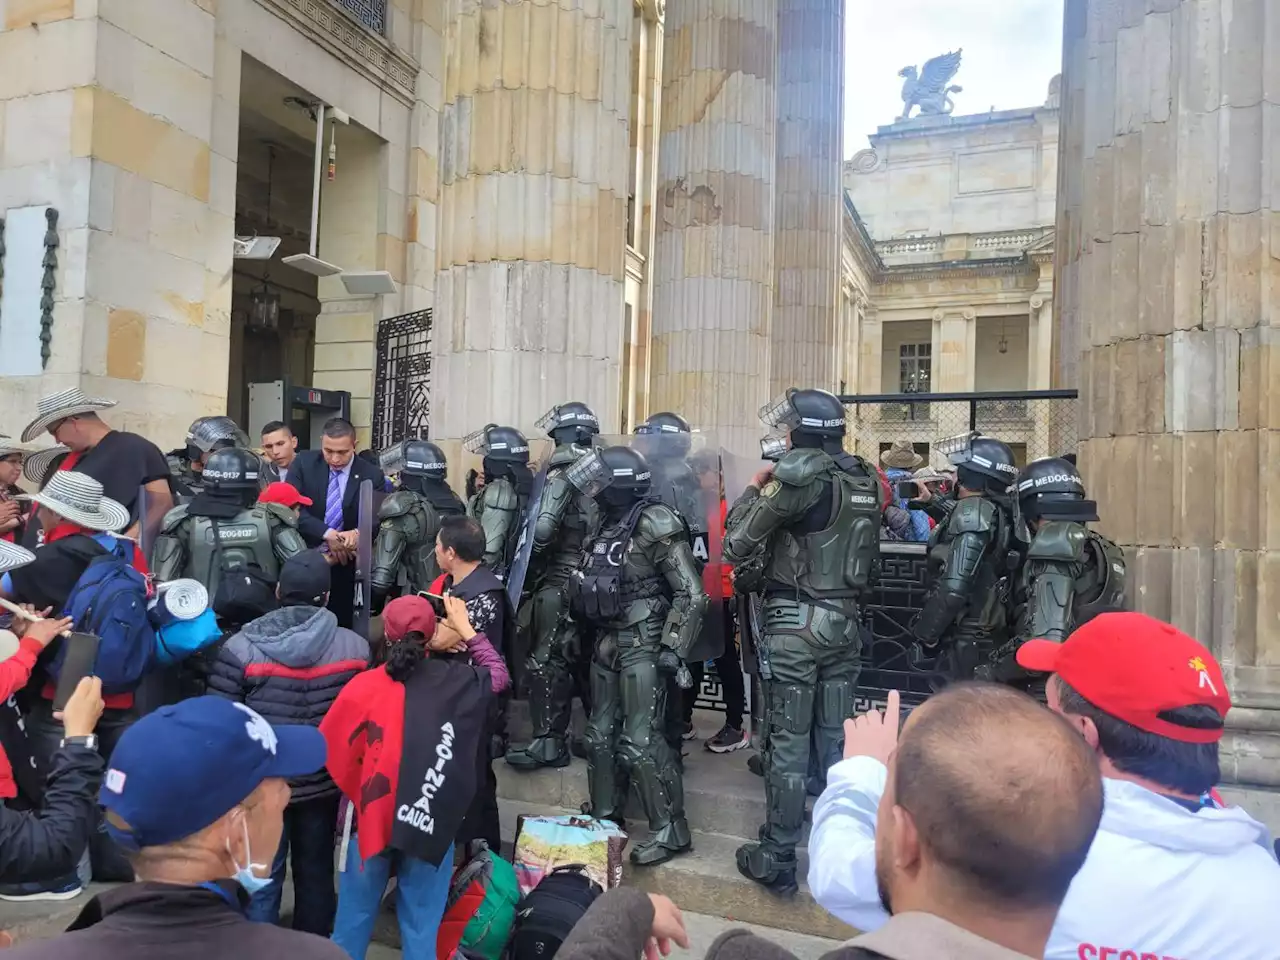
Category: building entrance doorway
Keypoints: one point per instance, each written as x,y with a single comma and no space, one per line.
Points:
273,305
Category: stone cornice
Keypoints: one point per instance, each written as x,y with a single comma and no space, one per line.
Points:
333,29
1002,267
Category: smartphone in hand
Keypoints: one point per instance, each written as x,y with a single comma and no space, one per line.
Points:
81,655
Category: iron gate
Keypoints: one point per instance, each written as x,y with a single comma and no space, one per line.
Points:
402,384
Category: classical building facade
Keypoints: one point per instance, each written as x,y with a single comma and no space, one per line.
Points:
947,273
537,175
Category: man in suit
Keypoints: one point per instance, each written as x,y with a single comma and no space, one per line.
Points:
331,478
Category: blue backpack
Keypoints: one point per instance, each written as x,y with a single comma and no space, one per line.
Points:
110,602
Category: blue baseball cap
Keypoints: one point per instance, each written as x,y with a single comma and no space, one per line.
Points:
179,769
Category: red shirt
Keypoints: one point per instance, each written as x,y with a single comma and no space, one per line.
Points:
717,570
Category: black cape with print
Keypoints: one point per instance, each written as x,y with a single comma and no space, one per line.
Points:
446,706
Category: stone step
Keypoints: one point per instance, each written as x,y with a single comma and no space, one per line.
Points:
706,880
720,794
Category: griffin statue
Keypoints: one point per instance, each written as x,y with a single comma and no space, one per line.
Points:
929,90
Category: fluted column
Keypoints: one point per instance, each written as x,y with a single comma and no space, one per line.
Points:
1170,297
713,268
808,201
534,153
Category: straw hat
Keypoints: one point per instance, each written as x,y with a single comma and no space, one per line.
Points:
901,456
58,406
36,466
8,448
78,498
13,556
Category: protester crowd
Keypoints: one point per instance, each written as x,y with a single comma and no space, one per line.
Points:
268,725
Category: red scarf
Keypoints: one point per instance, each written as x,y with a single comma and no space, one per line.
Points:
66,528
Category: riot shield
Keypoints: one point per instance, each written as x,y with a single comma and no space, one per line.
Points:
519,568
366,519
687,478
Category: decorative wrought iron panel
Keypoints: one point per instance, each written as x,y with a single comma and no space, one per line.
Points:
402,384
896,597
372,13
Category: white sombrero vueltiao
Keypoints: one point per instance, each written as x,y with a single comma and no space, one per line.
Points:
13,556
36,465
78,497
60,405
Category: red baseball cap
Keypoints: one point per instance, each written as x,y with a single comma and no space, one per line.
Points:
284,494
406,614
1134,667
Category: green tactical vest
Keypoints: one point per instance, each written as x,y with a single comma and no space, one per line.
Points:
837,561
246,539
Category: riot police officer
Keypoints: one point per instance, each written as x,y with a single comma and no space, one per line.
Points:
1070,573
223,528
972,559
205,435
409,518
807,532
665,439
639,586
563,516
500,504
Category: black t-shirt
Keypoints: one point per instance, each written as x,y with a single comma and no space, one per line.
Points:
123,462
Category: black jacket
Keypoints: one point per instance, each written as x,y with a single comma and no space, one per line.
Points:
45,844
160,921
309,475
290,665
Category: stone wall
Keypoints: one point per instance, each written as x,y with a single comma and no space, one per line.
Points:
1168,291
123,115
932,176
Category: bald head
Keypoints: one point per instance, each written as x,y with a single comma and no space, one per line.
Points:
1004,795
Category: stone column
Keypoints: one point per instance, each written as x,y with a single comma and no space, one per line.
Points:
533,163
713,262
954,348
1039,342
809,205
1169,201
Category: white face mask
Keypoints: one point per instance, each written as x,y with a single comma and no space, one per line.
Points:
245,876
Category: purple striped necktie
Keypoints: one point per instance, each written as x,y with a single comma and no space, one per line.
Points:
333,502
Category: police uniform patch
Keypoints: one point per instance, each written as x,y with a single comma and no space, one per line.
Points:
771,489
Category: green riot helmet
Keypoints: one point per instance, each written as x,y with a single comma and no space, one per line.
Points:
233,470
1051,489
982,463
616,476
498,443
422,458
664,436
572,422
813,418
215,433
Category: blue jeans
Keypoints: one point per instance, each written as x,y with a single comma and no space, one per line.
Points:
421,894
309,827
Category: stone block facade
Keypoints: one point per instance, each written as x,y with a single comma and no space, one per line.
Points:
1168,278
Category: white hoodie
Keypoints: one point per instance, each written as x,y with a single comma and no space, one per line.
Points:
1160,883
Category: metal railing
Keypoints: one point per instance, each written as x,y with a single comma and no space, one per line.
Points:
1036,423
